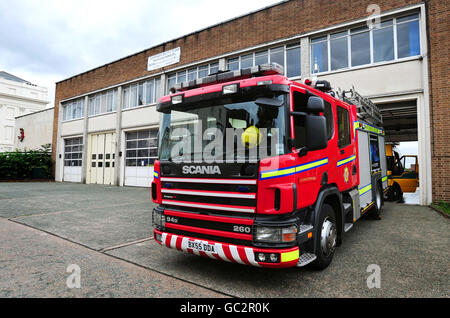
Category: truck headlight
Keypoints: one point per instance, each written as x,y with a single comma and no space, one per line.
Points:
276,234
158,219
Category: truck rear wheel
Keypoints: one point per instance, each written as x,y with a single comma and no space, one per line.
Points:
376,210
327,238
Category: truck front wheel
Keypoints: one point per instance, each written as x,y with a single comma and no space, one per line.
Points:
327,238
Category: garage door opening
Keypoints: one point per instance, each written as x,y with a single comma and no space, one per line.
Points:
402,150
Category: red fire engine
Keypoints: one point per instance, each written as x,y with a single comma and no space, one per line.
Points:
291,204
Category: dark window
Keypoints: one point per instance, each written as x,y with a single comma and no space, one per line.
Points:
100,164
374,152
107,164
343,127
328,113
93,164
300,101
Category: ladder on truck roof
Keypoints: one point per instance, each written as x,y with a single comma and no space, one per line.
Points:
366,109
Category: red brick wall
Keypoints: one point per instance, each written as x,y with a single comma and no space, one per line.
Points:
281,21
439,47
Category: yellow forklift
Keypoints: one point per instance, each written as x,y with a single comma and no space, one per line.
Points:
403,173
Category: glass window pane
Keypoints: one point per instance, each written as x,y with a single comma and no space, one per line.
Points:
360,49
203,71
131,144
143,134
261,58
181,77
316,40
383,44
126,97
103,103
293,62
157,89
141,94
277,55
247,61
338,35
131,153
132,136
171,81
192,74
74,111
109,101
233,64
213,68
130,163
114,100
319,53
133,95
408,41
339,53
408,18
149,96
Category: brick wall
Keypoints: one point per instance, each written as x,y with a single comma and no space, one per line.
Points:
438,37
282,21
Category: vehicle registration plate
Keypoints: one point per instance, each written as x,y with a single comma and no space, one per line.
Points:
202,246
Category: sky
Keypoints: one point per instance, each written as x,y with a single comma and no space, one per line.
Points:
47,41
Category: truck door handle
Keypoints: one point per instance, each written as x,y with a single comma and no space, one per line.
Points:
342,152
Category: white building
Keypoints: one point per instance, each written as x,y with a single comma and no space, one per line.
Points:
17,97
37,128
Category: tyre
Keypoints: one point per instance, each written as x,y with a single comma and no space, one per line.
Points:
327,237
395,193
376,210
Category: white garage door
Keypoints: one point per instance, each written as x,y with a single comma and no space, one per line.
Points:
73,159
141,152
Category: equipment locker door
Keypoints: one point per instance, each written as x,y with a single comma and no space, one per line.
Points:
365,179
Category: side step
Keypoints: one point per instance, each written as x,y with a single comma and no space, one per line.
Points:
347,227
305,259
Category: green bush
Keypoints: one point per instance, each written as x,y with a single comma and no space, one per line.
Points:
20,165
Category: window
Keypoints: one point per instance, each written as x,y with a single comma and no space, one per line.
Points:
73,109
328,114
141,148
300,101
343,127
73,152
293,66
288,56
319,55
360,46
374,153
233,64
247,61
383,42
277,55
191,74
408,39
339,50
104,102
143,93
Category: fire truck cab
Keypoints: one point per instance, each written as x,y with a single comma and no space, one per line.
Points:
283,205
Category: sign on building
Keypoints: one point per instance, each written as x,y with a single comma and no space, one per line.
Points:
163,59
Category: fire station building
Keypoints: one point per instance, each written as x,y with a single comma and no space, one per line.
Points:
106,123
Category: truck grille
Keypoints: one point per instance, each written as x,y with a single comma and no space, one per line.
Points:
223,209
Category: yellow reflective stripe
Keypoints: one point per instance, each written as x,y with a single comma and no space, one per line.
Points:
155,174
384,178
290,256
277,173
365,189
292,170
340,163
311,165
368,127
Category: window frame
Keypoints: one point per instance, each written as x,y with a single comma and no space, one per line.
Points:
415,16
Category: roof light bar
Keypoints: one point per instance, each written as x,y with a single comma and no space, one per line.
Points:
258,70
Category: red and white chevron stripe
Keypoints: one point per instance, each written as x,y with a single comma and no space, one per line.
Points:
224,251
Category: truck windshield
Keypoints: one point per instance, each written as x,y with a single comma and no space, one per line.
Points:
224,130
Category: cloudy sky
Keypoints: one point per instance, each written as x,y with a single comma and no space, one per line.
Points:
46,41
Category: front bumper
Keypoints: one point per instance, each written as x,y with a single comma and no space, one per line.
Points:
240,254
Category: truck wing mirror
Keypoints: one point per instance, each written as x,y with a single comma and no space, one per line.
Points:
315,105
316,132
